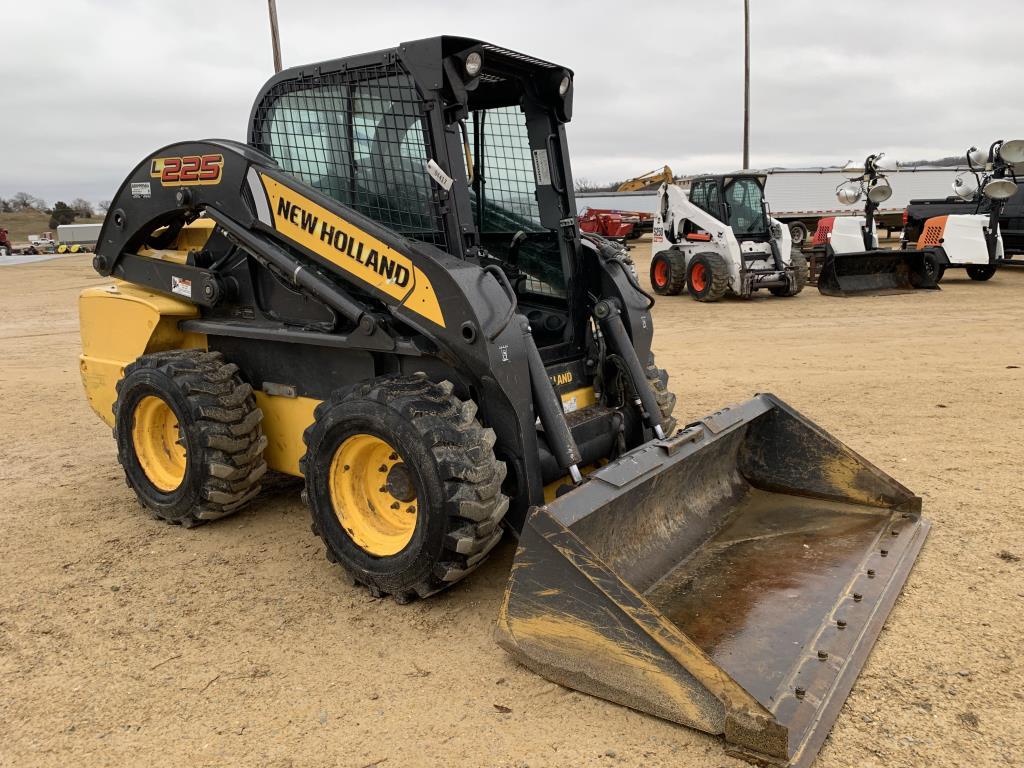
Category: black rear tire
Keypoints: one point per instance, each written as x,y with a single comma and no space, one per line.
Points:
218,426
981,272
455,490
668,273
798,263
707,277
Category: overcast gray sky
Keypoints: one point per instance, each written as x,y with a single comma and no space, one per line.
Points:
91,87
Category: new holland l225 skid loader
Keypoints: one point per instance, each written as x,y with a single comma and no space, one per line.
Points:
720,239
385,292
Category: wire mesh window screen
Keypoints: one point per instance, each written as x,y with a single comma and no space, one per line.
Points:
713,204
359,138
746,209
510,184
699,195
504,160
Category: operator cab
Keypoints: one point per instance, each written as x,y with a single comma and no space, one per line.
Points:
736,200
490,121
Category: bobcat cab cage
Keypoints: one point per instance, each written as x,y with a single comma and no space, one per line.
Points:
385,293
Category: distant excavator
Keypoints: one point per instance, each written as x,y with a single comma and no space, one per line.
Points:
663,176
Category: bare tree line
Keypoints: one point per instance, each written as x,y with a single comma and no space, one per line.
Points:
25,202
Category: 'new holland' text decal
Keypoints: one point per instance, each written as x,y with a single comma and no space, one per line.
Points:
358,253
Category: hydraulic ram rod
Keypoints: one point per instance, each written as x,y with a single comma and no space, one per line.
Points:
263,249
549,409
608,315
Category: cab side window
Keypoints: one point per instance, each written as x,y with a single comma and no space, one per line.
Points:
360,140
713,204
699,195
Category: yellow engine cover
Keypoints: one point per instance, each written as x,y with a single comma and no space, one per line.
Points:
119,323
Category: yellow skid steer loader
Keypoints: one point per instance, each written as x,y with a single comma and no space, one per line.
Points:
386,293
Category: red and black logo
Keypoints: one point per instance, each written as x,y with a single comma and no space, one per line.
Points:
187,171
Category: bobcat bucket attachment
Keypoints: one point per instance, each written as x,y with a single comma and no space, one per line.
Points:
732,578
875,273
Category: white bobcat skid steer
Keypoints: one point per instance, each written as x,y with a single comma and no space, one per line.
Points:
720,239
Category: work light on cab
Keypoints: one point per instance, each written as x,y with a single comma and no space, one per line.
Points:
474,62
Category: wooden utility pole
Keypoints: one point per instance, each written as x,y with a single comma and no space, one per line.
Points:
275,39
746,83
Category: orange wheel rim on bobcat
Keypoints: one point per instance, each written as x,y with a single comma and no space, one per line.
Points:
660,273
698,278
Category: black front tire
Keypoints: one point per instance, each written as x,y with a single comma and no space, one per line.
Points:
981,272
218,426
798,263
457,482
668,273
713,282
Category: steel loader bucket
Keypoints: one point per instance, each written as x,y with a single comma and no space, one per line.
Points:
874,273
732,578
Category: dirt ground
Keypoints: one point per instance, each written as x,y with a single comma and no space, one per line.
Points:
126,641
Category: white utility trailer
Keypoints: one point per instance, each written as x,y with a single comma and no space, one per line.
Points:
78,234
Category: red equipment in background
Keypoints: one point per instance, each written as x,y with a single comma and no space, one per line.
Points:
610,224
617,225
642,222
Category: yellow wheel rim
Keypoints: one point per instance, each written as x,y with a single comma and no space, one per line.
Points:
373,495
158,442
